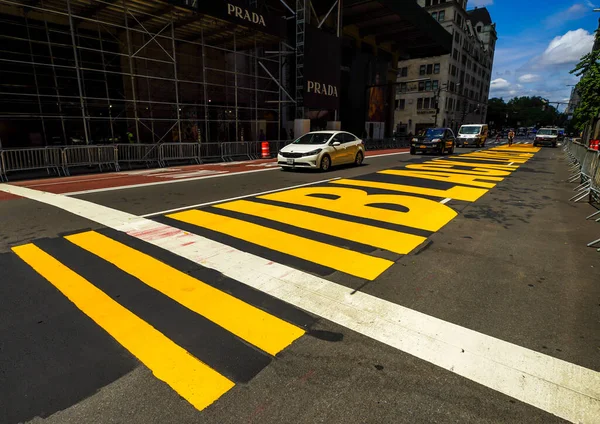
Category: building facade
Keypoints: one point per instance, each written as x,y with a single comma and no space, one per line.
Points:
452,89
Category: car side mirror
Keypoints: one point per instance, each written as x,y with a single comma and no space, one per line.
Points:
335,143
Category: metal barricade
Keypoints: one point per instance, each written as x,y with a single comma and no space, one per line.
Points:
147,154
236,150
179,152
589,164
100,156
15,160
211,152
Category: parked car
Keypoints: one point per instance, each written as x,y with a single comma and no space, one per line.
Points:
435,140
322,150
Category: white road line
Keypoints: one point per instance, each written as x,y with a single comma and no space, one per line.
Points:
199,205
558,387
386,154
125,187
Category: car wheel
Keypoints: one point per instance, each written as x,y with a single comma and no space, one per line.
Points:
359,159
412,151
452,149
325,163
441,150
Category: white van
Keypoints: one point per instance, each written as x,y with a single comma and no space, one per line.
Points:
472,135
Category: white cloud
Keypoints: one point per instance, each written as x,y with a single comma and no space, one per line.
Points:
528,78
576,11
499,84
480,3
567,48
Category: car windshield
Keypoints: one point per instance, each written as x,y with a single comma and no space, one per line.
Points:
434,132
547,132
469,130
313,138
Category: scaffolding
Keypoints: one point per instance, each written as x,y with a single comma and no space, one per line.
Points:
106,71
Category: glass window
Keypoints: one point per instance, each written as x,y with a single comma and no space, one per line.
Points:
434,132
434,15
429,69
403,87
401,104
457,37
442,16
314,138
427,85
435,85
404,72
420,103
436,68
347,137
426,103
421,85
422,70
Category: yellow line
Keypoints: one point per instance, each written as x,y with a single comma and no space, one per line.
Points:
196,382
348,261
257,327
468,194
394,241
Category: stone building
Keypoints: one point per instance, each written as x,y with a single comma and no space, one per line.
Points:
452,89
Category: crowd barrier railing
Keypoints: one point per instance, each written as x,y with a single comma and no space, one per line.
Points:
147,154
179,152
100,156
15,160
585,168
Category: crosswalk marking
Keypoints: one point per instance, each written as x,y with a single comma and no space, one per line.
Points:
199,384
257,327
394,241
348,261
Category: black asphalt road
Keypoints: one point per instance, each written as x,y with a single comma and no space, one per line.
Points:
512,265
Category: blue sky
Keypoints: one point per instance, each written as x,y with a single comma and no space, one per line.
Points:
539,41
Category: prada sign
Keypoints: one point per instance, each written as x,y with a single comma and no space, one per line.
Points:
237,12
241,13
321,88
321,70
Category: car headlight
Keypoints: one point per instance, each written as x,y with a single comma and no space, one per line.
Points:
312,152
436,140
414,140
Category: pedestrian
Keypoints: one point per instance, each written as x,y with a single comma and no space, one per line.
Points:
511,136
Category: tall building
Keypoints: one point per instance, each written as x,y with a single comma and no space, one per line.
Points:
457,83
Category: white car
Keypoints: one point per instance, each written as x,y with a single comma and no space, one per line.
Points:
322,150
546,136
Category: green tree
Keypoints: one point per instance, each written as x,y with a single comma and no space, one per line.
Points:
588,88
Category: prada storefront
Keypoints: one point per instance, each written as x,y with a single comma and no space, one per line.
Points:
107,71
